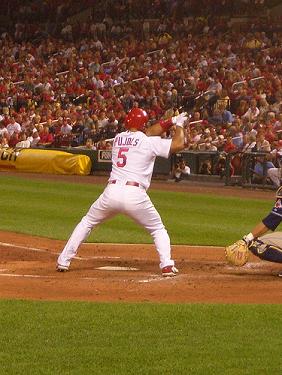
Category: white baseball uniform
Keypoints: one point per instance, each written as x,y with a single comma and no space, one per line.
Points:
133,157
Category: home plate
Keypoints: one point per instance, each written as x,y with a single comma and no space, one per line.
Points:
114,268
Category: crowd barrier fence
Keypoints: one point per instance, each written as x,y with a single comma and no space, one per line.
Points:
229,169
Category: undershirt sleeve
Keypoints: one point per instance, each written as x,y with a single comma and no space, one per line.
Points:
272,221
274,218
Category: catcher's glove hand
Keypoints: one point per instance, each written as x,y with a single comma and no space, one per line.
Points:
237,254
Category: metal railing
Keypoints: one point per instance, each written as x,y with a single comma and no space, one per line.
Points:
238,168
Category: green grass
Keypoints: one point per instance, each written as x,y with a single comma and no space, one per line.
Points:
52,209
118,339
78,338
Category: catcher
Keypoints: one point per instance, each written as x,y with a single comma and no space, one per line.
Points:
265,246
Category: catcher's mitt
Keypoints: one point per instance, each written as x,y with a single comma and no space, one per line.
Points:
237,254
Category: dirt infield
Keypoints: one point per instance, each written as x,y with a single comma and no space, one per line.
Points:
27,270
111,272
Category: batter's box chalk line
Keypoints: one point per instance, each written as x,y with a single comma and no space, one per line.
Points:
37,250
154,278
27,276
256,265
116,268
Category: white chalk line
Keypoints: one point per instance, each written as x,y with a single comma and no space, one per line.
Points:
116,268
32,276
147,244
41,276
256,265
249,266
58,277
150,279
202,276
38,250
154,278
35,249
5,244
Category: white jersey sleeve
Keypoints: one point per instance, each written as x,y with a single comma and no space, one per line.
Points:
160,146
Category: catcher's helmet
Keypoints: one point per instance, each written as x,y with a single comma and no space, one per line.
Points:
136,118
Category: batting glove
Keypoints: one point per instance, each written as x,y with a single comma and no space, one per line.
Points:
179,119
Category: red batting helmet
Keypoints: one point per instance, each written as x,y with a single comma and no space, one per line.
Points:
136,118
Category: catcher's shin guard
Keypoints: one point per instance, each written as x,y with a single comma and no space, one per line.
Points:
266,252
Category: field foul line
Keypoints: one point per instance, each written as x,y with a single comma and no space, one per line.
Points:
149,280
5,244
42,276
33,276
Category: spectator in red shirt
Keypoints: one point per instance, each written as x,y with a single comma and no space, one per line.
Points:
14,139
46,138
242,108
229,145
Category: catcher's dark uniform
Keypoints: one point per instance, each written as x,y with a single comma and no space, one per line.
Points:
269,246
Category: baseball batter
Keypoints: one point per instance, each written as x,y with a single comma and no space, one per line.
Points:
265,246
133,155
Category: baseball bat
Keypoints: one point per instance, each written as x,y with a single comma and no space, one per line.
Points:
196,103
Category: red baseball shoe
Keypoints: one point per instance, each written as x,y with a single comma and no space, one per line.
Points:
169,271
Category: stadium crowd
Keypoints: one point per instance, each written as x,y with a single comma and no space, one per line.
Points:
71,84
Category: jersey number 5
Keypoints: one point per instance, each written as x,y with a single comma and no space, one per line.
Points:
121,155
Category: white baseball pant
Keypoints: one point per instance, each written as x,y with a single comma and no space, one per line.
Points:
121,199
